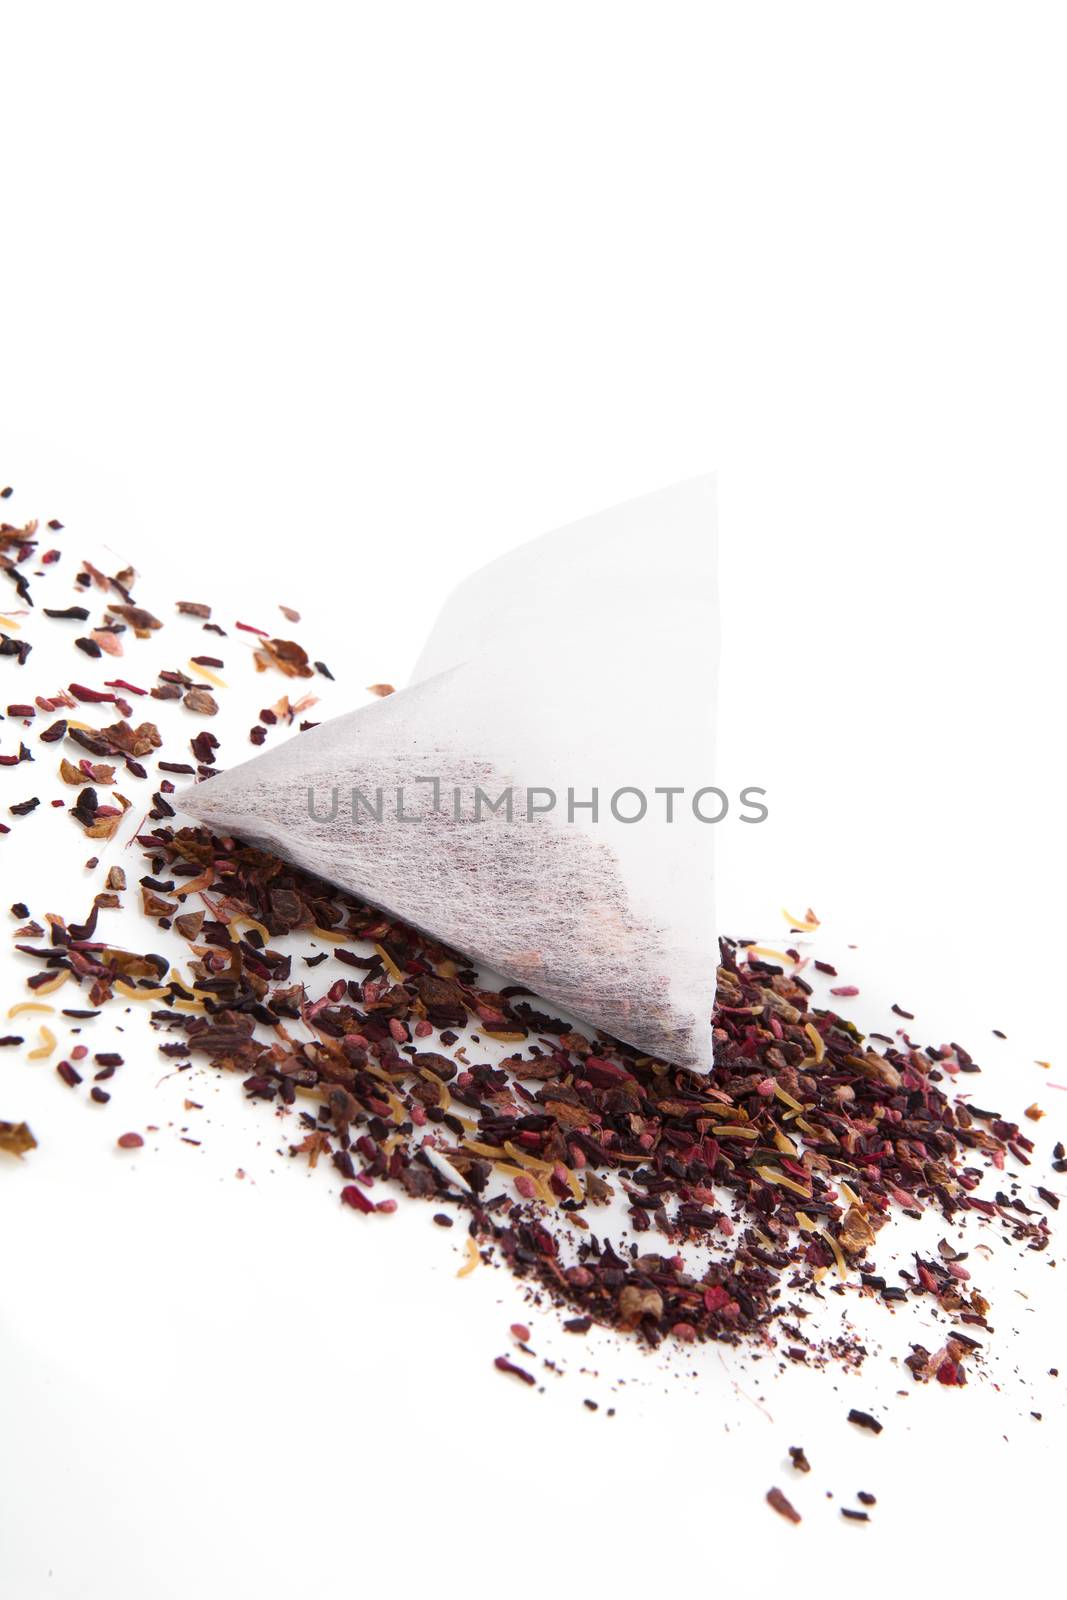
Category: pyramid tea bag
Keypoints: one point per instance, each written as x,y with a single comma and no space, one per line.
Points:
538,796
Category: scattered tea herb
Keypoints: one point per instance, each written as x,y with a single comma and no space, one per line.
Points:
774,1174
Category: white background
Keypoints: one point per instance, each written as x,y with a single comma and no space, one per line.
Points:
327,304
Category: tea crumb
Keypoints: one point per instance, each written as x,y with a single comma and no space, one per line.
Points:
784,1507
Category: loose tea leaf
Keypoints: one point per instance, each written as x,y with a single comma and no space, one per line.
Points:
863,1419
502,1364
16,1138
201,701
784,1507
285,655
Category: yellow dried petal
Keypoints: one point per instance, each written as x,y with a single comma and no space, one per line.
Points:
787,1099
389,964
472,1260
838,1257
785,1144
817,1041
803,924
205,672
479,1149
526,1160
46,1046
772,1175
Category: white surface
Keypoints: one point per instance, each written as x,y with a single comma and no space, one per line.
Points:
361,297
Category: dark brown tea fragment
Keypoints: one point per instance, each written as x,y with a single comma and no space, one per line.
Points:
784,1507
502,1364
863,1419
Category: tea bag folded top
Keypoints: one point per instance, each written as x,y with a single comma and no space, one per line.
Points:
529,798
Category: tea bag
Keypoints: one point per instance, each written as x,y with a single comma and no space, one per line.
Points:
528,799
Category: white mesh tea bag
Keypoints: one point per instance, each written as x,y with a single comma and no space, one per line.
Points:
538,797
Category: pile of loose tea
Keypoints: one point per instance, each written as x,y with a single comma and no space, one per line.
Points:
627,1192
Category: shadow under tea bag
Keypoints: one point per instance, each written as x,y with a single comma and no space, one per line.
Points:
529,798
